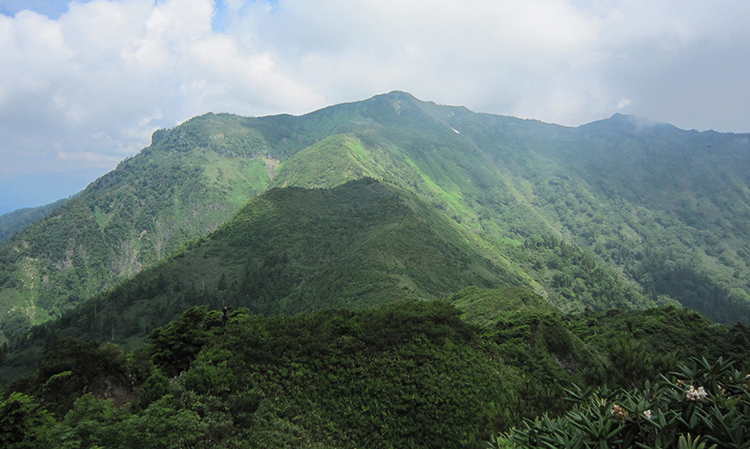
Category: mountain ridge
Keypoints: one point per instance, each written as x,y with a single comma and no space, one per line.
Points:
654,207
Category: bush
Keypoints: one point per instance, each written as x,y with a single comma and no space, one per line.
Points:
706,401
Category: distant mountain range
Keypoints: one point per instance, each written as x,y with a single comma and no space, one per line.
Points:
385,199
18,220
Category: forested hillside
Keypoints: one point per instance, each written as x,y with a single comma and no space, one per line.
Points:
189,181
621,213
290,250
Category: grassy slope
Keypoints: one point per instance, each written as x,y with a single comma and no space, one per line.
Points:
484,307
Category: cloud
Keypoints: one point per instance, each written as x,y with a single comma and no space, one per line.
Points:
480,53
105,74
97,77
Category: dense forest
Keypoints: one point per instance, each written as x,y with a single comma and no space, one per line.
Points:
387,273
408,374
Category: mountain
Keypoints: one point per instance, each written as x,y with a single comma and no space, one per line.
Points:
184,185
18,220
621,212
413,275
664,207
295,250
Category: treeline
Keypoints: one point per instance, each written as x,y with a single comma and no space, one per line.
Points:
577,280
663,273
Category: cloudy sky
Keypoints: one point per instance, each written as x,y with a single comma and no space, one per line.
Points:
84,84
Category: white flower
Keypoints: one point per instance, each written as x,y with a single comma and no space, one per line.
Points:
647,414
696,395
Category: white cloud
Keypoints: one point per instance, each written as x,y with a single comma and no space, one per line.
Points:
104,67
98,79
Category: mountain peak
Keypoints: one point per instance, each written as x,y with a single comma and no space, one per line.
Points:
397,98
636,120
625,122
400,95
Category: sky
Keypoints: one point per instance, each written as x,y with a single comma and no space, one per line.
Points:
84,84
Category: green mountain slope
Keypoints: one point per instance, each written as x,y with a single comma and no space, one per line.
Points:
629,213
190,180
662,207
293,250
20,219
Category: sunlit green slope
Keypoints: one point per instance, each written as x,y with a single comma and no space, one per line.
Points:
293,250
666,209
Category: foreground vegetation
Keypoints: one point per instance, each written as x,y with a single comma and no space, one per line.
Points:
413,374
699,405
